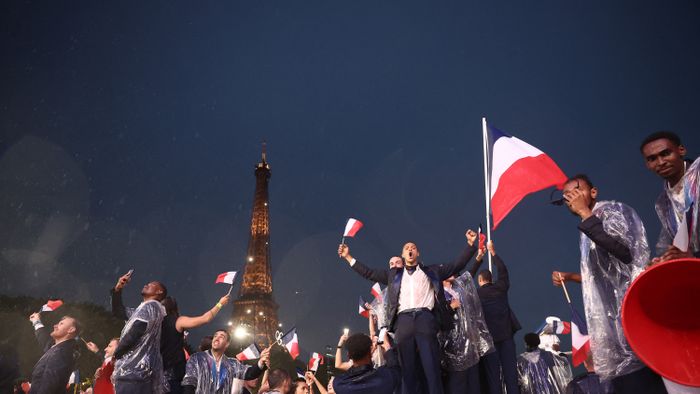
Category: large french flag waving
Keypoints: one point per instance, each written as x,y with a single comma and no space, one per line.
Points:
517,169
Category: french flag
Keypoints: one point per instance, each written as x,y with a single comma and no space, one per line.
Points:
250,353
226,277
517,169
580,342
561,327
51,305
315,360
352,227
377,291
363,311
291,342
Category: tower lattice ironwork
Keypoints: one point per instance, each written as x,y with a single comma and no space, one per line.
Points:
255,310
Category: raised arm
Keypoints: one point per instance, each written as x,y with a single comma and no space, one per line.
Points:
186,322
118,309
311,378
40,332
381,276
339,363
447,270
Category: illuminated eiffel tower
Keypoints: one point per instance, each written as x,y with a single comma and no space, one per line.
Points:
255,310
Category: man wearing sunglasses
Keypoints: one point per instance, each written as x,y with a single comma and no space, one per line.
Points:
614,251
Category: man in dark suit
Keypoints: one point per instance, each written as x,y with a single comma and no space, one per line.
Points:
51,372
417,309
501,322
361,377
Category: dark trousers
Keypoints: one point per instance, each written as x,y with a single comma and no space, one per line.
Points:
463,382
133,387
416,341
503,363
643,381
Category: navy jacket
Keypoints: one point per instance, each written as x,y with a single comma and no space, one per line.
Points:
366,379
50,374
499,317
436,273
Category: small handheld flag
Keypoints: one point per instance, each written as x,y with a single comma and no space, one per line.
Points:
554,325
315,360
51,305
377,291
250,353
227,277
352,227
363,311
291,342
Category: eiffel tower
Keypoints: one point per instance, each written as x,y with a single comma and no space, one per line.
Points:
255,311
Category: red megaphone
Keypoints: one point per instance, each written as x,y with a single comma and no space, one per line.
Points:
661,319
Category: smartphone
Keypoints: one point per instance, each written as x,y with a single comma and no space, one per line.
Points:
382,333
131,271
346,331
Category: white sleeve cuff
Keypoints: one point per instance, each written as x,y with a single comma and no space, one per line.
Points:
352,262
38,325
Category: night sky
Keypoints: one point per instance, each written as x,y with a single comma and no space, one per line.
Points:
129,133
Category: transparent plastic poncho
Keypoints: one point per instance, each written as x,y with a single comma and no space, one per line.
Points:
541,372
470,338
605,280
380,308
143,362
671,211
201,371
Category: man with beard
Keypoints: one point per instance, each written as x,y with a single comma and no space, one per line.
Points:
212,372
139,365
51,372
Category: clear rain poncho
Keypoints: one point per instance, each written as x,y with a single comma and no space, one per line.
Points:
201,371
380,308
605,280
143,362
671,210
542,372
470,338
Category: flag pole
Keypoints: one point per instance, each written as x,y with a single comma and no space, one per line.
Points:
229,290
487,192
563,286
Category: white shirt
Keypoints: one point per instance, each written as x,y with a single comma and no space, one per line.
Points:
416,291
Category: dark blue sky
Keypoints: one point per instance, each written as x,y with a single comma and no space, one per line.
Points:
129,135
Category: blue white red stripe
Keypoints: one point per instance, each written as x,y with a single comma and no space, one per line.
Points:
580,341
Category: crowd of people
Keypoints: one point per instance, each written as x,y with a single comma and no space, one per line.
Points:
435,328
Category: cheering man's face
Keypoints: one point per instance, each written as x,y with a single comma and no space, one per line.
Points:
220,341
65,328
410,253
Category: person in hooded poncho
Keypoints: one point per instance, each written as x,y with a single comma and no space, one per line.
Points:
468,340
614,251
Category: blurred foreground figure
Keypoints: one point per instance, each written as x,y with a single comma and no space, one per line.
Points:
589,383
51,373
